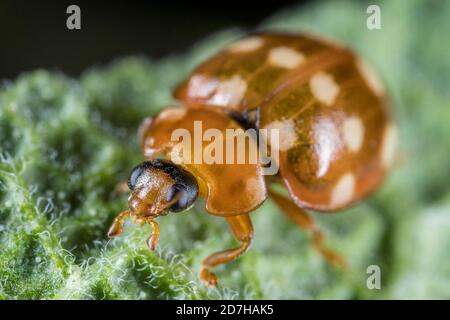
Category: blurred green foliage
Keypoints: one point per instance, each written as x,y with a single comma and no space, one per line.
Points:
66,143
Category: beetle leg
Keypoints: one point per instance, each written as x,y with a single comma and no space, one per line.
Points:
117,226
152,241
306,222
242,229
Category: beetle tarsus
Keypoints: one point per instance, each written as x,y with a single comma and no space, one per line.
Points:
208,277
330,256
242,229
306,222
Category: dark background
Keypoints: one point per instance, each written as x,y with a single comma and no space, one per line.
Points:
33,34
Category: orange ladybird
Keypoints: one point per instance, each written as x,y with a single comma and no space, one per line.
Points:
336,139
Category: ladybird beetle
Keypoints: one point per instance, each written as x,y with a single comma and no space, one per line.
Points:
336,138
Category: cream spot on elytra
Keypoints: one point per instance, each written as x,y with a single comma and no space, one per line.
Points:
324,88
252,185
246,45
326,137
353,130
343,191
286,133
201,86
389,145
285,57
370,77
229,92
173,114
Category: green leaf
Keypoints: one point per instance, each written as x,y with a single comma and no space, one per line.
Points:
66,143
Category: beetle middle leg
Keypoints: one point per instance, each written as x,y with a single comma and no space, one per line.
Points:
306,222
242,229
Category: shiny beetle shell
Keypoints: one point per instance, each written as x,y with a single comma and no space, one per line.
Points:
337,138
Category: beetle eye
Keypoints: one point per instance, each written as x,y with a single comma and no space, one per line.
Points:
185,198
135,175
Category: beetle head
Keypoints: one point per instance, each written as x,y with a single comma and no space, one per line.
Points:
159,187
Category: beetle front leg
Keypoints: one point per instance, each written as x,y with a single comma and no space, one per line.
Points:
152,241
305,221
242,229
117,226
